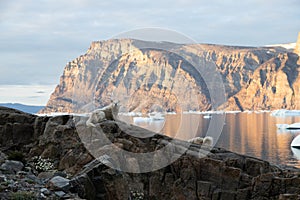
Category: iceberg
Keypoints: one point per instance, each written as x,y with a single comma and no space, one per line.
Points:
296,142
288,126
156,116
296,152
140,119
283,113
207,116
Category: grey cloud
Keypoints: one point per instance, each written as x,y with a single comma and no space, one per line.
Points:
37,38
40,92
33,97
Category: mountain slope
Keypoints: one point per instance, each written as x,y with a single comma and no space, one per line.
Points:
274,85
146,76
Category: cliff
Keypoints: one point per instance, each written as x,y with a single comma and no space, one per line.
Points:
173,77
297,48
197,172
274,85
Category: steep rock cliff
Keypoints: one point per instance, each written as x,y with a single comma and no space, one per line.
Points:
146,76
274,85
297,48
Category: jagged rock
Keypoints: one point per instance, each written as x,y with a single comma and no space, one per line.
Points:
196,173
221,175
84,186
51,137
192,178
59,183
11,166
16,129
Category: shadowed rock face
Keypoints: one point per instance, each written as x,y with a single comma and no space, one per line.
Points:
168,75
275,84
50,137
199,173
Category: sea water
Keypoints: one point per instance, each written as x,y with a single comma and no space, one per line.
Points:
250,133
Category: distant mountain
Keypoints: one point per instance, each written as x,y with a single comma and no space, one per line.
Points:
142,75
22,107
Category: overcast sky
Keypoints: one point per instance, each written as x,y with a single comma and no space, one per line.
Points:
38,37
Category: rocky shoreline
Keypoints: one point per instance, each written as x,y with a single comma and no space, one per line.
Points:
46,157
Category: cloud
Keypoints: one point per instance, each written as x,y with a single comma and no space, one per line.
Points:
37,38
25,94
40,92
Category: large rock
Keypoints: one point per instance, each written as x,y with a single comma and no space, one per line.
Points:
11,166
190,177
218,175
50,137
16,128
59,183
196,172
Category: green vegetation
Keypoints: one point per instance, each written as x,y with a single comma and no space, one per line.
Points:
23,195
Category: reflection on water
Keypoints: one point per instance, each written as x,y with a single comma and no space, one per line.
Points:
257,135
252,134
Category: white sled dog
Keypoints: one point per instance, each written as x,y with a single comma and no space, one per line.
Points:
109,112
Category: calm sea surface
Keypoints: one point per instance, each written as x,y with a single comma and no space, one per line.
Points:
252,134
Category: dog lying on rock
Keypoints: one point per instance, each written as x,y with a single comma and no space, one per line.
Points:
208,141
109,112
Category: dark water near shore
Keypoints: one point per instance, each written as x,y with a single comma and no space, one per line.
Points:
252,134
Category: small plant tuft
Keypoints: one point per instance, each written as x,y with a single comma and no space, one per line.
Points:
23,195
42,164
134,195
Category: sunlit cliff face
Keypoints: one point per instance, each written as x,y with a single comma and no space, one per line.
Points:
297,48
123,69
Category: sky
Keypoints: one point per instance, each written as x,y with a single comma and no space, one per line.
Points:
38,38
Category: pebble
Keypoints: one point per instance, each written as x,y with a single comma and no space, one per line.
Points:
45,191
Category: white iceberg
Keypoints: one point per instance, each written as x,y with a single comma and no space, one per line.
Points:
288,126
296,152
283,113
207,116
141,119
296,142
156,116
